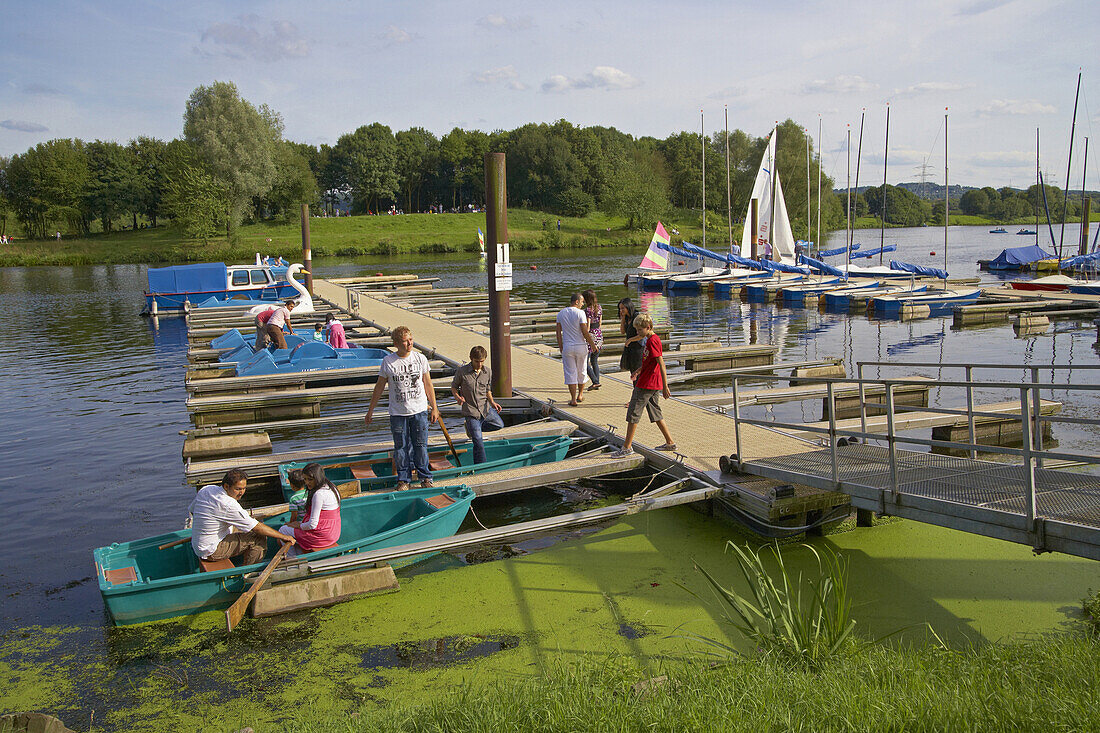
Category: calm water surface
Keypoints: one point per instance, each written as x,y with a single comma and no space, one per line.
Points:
94,397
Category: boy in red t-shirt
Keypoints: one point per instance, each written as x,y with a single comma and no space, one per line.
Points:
650,380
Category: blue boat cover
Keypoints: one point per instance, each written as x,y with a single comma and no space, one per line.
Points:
822,267
1014,258
705,252
831,252
875,251
744,262
917,269
1079,261
780,267
200,278
678,251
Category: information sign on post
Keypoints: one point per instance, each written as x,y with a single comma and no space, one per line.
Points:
503,274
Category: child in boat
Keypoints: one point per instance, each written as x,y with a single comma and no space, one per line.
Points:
650,380
299,496
336,336
320,528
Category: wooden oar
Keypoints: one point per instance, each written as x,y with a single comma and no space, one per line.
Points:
450,444
235,613
180,541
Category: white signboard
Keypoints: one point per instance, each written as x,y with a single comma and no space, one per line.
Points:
503,269
503,283
502,252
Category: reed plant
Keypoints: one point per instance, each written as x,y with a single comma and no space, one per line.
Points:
803,617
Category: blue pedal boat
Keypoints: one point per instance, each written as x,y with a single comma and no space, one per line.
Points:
310,356
375,471
140,582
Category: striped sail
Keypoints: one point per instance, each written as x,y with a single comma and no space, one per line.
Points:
656,258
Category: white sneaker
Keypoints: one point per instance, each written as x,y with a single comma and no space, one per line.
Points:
623,453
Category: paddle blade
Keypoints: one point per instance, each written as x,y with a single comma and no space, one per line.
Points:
235,613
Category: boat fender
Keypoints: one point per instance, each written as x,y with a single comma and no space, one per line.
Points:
932,253
534,267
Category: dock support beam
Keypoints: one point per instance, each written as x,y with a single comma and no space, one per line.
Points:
307,252
500,273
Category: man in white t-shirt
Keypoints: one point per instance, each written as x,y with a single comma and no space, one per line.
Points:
411,393
574,343
216,512
270,323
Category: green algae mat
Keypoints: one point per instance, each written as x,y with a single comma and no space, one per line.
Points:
617,591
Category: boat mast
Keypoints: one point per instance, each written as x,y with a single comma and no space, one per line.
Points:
807,134
774,174
729,191
1069,160
1083,247
703,137
1037,186
859,154
818,240
848,208
946,199
885,159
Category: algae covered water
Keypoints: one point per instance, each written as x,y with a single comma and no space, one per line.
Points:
90,454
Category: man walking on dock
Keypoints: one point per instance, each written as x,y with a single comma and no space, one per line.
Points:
472,391
411,393
574,343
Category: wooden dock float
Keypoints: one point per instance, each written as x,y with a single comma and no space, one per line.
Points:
846,398
259,467
918,420
288,402
969,315
543,474
699,360
298,380
239,444
764,370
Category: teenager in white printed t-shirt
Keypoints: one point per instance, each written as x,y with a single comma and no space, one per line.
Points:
406,373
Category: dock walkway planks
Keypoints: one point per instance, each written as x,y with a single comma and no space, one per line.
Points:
701,436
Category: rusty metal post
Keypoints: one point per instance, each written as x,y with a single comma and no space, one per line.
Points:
754,207
499,266
1083,249
307,253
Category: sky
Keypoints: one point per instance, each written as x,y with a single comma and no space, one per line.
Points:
1001,68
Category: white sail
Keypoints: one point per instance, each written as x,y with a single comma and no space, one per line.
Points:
782,239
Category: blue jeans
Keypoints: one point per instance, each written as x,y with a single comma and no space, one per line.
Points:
474,425
594,367
410,446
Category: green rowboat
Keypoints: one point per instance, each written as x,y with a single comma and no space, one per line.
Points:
140,582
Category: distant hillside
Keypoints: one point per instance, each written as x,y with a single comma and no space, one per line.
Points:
934,191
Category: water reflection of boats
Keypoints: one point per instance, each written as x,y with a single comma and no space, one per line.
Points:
914,343
1028,232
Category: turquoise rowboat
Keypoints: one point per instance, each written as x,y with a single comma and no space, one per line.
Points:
375,471
140,582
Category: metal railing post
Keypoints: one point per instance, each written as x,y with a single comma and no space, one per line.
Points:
970,411
737,426
892,440
830,395
862,400
1029,464
1037,410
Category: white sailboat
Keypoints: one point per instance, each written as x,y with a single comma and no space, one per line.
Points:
775,237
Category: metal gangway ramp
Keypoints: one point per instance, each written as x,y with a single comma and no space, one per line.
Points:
1014,494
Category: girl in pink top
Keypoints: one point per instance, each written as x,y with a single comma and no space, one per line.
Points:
336,338
320,527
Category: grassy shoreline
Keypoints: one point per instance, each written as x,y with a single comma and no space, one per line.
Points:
367,235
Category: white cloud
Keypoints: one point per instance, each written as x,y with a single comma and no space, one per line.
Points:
840,84
601,77
504,75
494,21
393,34
23,126
1003,159
999,107
981,6
930,87
252,37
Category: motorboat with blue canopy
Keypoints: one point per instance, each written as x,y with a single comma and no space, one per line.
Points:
211,284
1015,258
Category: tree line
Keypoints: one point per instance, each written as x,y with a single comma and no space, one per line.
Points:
232,164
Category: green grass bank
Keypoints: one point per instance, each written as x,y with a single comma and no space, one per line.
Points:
555,640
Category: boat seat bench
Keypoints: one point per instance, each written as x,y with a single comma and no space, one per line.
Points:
437,461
